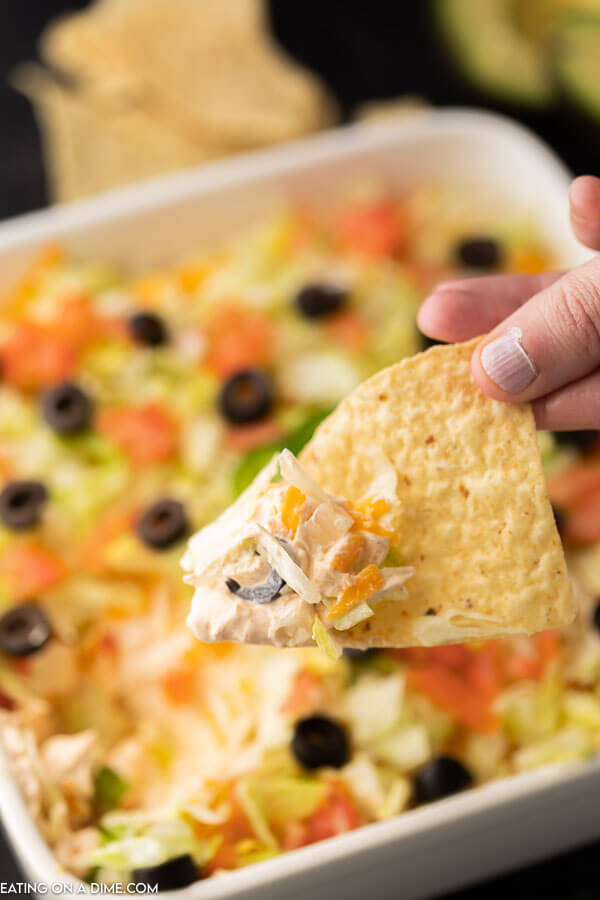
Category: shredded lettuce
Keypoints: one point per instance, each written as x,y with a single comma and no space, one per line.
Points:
565,745
152,845
405,748
373,706
325,640
109,788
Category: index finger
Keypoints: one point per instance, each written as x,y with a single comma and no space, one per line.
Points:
462,309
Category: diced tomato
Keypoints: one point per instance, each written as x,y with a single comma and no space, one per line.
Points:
77,323
32,358
348,329
245,437
114,523
375,229
147,434
455,695
306,695
455,656
31,568
531,661
583,521
337,815
7,702
235,829
179,685
569,487
237,339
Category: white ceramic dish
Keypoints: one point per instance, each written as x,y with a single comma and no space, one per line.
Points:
464,838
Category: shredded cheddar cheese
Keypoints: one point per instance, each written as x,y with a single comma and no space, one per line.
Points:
290,511
364,586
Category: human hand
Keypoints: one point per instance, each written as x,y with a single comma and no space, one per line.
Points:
543,344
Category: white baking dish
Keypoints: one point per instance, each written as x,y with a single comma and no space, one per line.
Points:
450,843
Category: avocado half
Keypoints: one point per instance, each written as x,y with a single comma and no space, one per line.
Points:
505,48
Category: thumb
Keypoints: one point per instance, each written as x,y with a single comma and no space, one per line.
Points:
550,341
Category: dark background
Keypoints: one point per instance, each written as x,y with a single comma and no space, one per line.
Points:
364,50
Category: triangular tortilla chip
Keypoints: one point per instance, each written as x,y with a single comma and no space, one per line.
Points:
466,504
471,508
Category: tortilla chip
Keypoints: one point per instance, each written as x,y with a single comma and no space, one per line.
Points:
471,508
90,148
208,64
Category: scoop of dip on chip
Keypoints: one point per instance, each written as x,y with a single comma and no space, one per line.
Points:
290,564
416,478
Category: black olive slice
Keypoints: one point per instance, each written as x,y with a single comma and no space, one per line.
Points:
583,440
317,300
265,592
479,252
319,741
167,876
21,504
67,408
246,397
148,328
24,629
441,777
163,524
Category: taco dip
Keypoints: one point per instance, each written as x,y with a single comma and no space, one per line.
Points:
133,409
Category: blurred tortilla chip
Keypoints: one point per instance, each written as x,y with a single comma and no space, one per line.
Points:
471,509
209,64
90,150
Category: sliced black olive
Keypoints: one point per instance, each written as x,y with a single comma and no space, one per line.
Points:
559,518
148,328
168,876
21,504
163,524
246,397
441,777
319,741
24,629
67,408
265,592
479,253
583,440
317,300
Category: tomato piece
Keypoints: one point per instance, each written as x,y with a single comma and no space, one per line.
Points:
147,434
31,568
455,656
454,695
179,685
349,330
235,829
238,339
375,229
104,531
583,522
33,358
247,437
306,695
569,487
337,815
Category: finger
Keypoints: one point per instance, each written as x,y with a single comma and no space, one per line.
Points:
571,408
550,341
584,203
462,309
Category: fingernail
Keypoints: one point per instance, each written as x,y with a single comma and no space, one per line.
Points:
506,362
